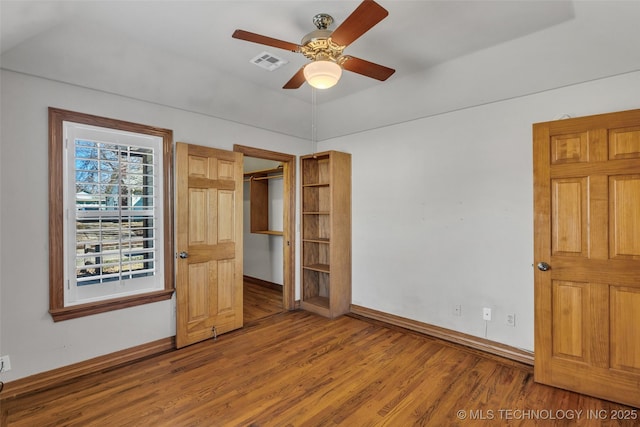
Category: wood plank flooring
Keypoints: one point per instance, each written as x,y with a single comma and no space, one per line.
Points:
299,369
260,301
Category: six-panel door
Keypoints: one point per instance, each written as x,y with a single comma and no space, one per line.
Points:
209,242
587,228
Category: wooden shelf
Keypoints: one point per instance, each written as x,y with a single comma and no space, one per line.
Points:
323,268
318,240
326,233
269,232
325,184
263,172
318,301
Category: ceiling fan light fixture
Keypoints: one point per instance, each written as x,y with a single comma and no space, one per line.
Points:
322,74
324,48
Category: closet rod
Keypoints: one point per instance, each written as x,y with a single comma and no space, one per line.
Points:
260,178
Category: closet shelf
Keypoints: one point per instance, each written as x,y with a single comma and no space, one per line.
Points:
262,173
269,232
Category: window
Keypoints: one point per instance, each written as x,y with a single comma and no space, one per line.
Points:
110,214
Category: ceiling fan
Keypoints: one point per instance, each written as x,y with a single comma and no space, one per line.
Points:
324,48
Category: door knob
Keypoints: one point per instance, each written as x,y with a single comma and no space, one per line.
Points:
543,266
184,255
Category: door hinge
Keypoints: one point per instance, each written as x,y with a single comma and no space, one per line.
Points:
215,333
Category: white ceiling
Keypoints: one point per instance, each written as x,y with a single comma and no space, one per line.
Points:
447,54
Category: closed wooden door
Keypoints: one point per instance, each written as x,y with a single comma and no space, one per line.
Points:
587,255
209,242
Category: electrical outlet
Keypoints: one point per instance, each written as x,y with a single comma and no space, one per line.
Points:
457,310
486,313
511,319
5,363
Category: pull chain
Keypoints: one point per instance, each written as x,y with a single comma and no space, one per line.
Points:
314,122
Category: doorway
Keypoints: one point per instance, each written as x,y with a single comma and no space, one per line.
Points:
279,174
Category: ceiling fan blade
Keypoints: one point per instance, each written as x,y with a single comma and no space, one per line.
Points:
296,81
366,68
260,39
361,20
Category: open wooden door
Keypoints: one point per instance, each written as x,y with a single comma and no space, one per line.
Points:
209,242
587,255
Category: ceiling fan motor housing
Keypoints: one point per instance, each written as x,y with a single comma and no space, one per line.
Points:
317,45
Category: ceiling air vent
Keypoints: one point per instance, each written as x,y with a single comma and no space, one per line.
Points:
268,61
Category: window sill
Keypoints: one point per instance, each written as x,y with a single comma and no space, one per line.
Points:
82,310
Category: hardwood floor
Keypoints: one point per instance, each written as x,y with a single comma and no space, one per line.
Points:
299,369
261,301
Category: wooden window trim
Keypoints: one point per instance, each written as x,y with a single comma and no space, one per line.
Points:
56,242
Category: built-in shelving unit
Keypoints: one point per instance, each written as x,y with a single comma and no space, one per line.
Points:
259,199
326,233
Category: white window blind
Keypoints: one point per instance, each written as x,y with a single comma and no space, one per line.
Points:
114,216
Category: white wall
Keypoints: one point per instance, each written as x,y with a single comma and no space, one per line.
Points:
34,342
442,209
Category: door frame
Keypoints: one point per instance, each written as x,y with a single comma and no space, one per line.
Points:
289,213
